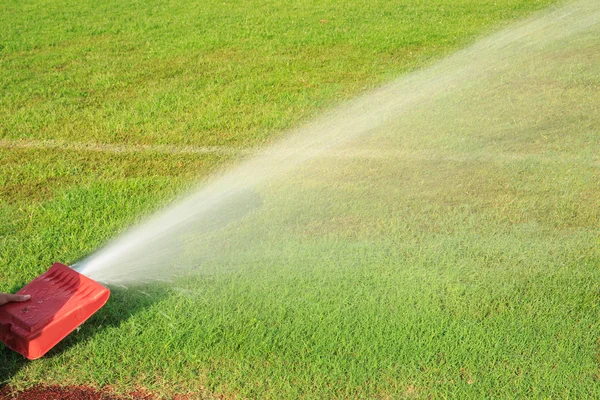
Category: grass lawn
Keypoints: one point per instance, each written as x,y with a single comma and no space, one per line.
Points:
452,253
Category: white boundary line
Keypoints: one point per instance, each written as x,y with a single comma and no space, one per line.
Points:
117,148
365,153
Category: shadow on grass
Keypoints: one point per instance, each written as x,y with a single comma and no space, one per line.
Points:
122,304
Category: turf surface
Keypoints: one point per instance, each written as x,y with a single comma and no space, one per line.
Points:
480,282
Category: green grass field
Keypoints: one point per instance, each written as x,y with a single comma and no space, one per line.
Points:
463,265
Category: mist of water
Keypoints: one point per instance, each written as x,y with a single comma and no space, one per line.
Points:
343,166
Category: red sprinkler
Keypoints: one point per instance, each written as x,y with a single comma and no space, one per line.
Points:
61,300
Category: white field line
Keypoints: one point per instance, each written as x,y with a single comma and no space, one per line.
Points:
348,153
117,148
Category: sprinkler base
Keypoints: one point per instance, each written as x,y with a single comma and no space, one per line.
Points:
61,300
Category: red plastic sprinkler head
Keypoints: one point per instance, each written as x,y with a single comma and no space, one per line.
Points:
61,300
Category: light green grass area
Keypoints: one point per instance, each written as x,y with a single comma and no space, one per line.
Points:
213,72
457,257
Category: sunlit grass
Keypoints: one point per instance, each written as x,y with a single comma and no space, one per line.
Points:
459,260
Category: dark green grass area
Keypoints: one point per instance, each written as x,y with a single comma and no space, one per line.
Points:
458,257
